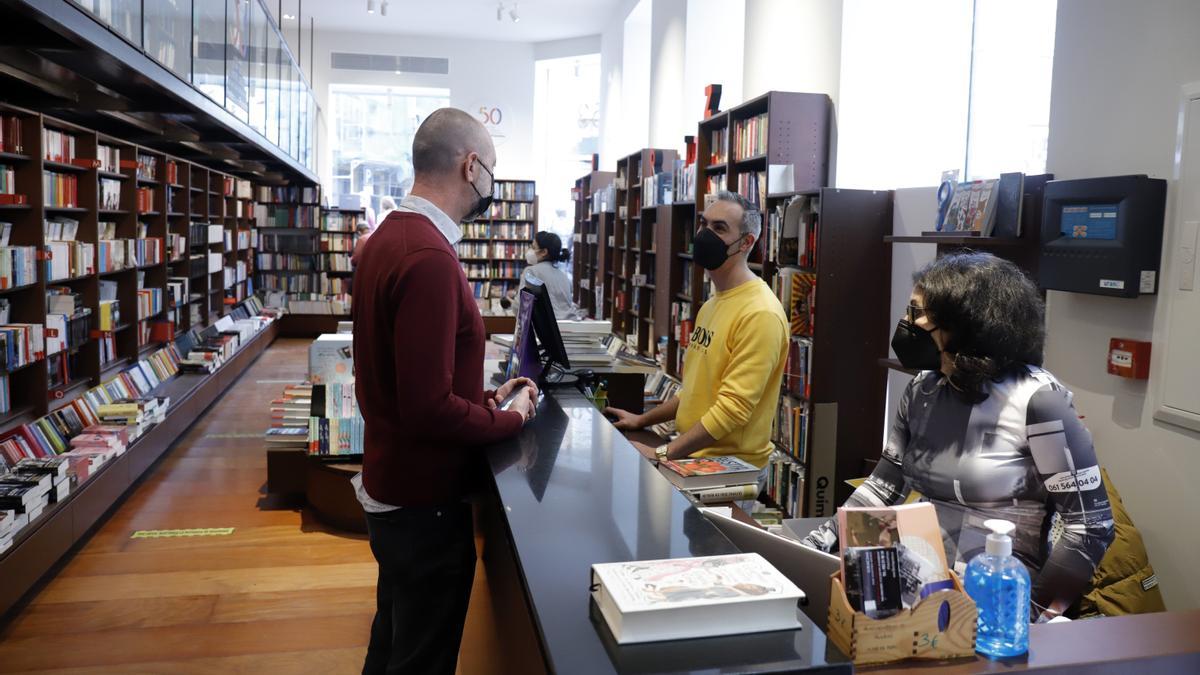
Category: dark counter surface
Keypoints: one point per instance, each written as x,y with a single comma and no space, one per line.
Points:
574,492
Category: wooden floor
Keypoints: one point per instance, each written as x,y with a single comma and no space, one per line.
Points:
282,594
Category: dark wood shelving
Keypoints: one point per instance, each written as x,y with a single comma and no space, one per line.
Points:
62,166
113,212
111,174
71,280
15,289
14,157
15,207
15,417
64,209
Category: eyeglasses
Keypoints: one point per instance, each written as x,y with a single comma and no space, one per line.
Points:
915,313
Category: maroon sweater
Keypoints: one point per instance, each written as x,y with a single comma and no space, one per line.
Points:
418,362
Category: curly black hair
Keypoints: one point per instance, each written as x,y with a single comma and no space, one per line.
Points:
993,314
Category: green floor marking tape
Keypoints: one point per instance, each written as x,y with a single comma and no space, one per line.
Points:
192,532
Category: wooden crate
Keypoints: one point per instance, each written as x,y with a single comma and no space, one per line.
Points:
941,626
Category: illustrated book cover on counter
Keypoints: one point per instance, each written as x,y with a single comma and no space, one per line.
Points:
706,472
650,600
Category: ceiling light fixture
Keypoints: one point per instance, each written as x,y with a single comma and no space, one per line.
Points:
512,13
370,6
289,17
383,8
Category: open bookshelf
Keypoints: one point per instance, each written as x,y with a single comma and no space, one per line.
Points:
492,250
634,248
97,223
591,258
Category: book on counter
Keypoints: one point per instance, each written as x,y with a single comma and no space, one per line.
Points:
647,601
708,472
288,436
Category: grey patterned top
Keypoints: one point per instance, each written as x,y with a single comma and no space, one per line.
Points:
1022,454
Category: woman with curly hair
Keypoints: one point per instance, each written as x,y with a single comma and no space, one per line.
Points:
983,431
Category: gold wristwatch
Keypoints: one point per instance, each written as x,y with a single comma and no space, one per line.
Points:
660,453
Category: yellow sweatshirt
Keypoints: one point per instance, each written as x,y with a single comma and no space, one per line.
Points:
732,371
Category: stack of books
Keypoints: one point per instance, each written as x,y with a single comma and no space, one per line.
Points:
711,480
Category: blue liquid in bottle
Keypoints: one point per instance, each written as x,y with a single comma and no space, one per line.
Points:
999,585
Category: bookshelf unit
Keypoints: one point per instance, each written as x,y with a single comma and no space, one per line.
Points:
592,227
634,248
109,238
492,250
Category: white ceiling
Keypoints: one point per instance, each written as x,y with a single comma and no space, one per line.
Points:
541,20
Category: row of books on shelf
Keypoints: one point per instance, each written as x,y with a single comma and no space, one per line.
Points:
119,254
236,274
339,431
60,189
792,233
57,146
283,215
110,194
498,231
18,266
269,262
509,190
145,200
109,158
719,146
147,167
289,195
10,134
316,303
715,183
790,432
508,250
149,302
750,137
206,233
511,211
328,243
786,483
685,181
753,186
21,344
341,221
8,180
493,270
797,292
316,283
298,242
658,189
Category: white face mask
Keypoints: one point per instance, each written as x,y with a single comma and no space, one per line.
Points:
531,256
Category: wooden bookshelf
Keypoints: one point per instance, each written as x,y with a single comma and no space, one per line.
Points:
47,382
492,250
591,236
633,262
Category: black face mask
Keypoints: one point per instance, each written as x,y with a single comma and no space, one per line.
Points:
709,250
915,347
484,203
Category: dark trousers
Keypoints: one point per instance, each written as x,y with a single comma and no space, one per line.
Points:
426,562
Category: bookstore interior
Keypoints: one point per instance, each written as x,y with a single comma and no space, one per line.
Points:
599,336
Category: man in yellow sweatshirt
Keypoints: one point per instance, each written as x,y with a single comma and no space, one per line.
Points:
737,352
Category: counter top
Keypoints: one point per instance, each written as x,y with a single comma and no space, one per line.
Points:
573,492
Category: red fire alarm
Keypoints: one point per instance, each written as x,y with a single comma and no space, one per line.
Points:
1129,358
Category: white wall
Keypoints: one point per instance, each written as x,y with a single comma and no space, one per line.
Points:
792,45
902,114
668,33
492,74
1118,69
715,54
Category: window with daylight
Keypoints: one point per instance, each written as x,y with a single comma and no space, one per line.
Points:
371,138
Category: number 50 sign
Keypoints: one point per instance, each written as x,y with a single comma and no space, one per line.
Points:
493,120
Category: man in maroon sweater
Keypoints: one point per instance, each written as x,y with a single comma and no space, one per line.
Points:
418,356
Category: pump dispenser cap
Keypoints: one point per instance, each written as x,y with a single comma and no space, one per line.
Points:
999,542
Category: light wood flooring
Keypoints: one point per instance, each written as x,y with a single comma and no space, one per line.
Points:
282,594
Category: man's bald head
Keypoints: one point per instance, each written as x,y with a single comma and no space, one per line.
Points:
445,138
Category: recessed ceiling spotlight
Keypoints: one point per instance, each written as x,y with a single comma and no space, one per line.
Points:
370,6
289,17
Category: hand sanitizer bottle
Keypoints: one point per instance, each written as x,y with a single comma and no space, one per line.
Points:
999,585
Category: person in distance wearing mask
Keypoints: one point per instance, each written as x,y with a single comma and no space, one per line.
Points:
418,352
543,258
736,356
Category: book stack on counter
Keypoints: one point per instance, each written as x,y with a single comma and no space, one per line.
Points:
711,480
338,432
290,416
26,489
650,600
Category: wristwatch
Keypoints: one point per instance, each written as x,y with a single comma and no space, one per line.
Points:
660,453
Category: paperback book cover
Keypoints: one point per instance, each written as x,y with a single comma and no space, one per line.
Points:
705,472
912,530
